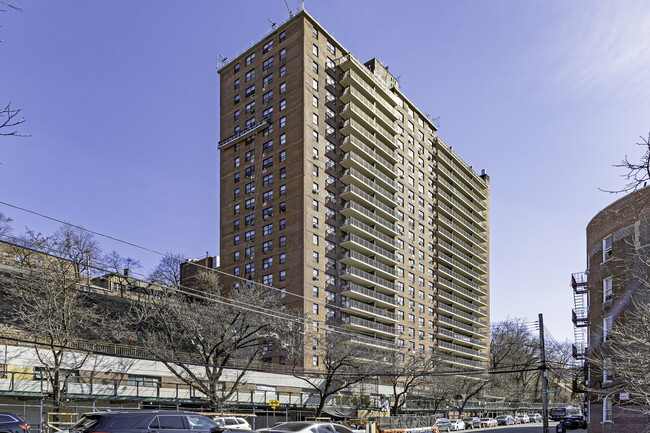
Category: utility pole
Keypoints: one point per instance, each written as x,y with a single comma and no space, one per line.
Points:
542,367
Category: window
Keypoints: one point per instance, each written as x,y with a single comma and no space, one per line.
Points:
237,115
315,33
283,104
283,189
607,289
267,196
283,121
283,242
283,88
267,229
237,84
329,80
250,188
314,67
314,308
315,256
314,204
267,246
268,97
283,70
314,50
314,361
267,47
283,258
314,274
250,107
314,135
250,91
249,235
283,274
268,79
283,156
283,139
314,101
250,122
236,209
314,239
283,172
250,75
250,203
314,84
607,410
330,63
607,248
249,268
250,59
236,68
283,53
330,313
236,99
267,263
267,63
283,36
236,224
314,118
607,325
331,48
236,240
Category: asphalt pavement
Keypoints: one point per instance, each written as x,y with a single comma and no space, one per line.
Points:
526,428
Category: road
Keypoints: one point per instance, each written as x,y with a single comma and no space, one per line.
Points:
527,428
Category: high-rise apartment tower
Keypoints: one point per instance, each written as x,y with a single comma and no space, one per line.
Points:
336,191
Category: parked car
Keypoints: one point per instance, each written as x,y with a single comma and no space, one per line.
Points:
443,424
505,420
12,423
472,422
517,419
535,417
306,427
234,423
457,424
488,422
146,421
524,418
574,422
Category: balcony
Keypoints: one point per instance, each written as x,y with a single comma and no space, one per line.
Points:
448,246
352,176
462,292
351,225
580,317
354,242
454,190
351,126
464,171
461,349
462,303
460,337
352,209
461,243
360,324
579,283
455,218
361,277
471,284
357,74
459,325
471,273
361,309
350,192
379,343
358,260
369,161
462,361
461,314
352,290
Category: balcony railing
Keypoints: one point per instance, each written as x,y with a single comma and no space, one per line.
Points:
358,321
371,231
377,281
244,133
348,286
354,304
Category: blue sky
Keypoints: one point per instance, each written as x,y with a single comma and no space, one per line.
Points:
121,101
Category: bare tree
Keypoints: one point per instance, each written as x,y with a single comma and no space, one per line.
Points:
464,386
10,118
637,174
168,271
219,332
513,347
405,372
50,304
5,226
340,361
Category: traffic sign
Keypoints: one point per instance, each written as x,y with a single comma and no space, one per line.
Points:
551,390
274,404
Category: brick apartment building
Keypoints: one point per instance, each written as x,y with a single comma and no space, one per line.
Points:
337,192
615,237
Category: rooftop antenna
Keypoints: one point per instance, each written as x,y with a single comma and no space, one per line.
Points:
288,8
301,5
272,23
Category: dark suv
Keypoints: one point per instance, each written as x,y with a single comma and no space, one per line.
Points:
146,421
472,422
12,423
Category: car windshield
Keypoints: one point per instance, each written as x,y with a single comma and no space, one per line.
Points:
293,426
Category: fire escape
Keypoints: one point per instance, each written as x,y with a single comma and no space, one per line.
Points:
580,315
